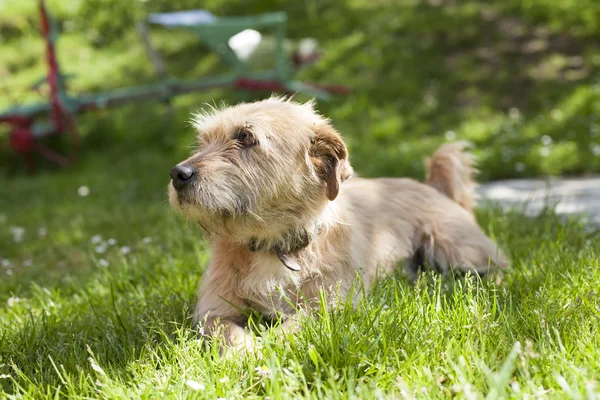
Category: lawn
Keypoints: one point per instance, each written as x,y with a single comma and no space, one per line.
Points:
99,277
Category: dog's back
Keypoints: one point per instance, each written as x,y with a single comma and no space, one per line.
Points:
451,171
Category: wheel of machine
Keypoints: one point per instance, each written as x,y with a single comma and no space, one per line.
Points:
53,137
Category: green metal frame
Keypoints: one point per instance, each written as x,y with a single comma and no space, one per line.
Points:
216,35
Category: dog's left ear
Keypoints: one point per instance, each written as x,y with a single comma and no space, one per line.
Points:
329,155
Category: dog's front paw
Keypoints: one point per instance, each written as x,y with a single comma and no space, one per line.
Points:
236,340
246,345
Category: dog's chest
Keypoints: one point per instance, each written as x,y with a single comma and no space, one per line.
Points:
268,285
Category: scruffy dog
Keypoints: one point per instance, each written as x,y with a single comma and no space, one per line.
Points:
269,185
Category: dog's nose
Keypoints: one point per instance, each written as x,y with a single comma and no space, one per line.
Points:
182,175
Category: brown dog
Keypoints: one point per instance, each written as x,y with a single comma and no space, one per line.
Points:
269,186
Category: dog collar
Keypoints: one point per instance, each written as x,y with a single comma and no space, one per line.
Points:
290,243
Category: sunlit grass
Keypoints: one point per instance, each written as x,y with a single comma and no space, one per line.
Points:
100,290
98,277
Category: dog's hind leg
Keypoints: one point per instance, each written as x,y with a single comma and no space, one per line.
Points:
457,242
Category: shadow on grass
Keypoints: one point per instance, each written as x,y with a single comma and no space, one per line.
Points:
49,348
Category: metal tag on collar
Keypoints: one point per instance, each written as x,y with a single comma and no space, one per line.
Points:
288,261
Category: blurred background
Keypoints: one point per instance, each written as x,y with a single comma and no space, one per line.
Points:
518,78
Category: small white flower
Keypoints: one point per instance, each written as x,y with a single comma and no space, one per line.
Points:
5,262
125,250
515,386
519,167
546,140
224,379
96,239
103,263
83,191
514,113
100,249
17,233
263,370
450,136
194,385
9,272
42,231
146,240
595,149
111,241
27,263
4,376
12,301
544,151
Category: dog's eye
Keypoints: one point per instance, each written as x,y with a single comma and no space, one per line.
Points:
245,138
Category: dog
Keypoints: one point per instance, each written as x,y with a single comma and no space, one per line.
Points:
273,190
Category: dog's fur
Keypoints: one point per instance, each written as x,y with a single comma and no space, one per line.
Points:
283,198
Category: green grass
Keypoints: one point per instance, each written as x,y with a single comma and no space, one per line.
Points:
80,317
80,323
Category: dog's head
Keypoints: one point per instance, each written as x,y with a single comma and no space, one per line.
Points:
261,168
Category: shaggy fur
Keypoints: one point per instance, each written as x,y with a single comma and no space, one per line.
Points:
271,191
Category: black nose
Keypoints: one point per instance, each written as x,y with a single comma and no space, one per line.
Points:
182,175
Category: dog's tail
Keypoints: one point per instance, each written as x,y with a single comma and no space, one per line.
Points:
451,171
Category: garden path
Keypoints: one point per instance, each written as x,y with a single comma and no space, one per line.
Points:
571,196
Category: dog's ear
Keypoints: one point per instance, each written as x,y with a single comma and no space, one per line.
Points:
329,155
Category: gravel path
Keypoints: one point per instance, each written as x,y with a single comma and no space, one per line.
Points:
572,196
